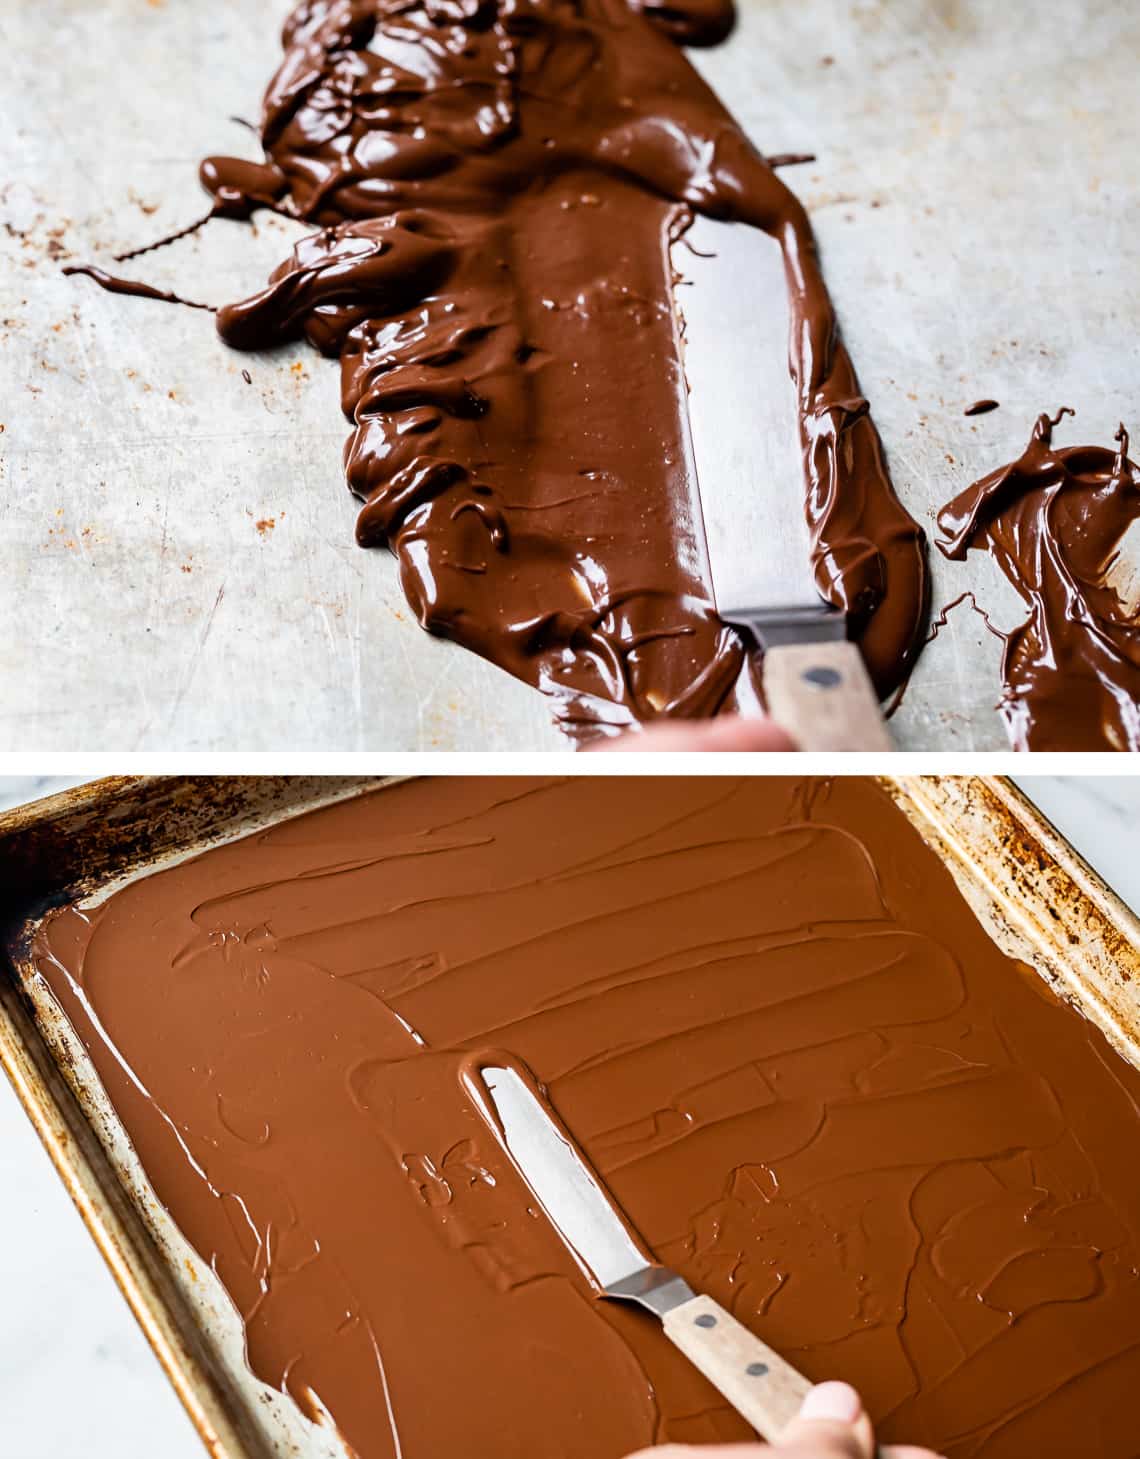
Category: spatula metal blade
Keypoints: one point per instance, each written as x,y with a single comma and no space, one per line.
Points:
563,1184
742,416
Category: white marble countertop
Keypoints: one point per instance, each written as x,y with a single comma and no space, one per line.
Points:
61,1314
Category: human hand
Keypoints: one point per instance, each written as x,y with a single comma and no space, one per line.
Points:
728,732
832,1424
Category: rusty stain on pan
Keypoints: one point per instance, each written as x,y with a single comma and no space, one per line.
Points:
1035,896
1037,899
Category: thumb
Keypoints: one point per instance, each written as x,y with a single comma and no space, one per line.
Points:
832,1424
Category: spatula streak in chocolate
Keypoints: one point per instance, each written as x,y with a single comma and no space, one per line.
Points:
496,184
1054,521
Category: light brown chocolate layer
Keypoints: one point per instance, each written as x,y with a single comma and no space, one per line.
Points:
804,1070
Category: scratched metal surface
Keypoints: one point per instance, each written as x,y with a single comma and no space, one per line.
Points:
179,571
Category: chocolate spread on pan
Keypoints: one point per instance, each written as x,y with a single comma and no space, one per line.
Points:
1054,521
496,184
801,1067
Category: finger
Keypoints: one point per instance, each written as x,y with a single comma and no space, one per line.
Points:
761,1451
727,734
701,1451
832,1423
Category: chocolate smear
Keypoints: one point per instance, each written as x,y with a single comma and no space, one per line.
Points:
762,1007
495,186
1054,521
982,407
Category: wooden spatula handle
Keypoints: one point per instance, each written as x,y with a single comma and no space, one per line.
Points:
822,695
759,1384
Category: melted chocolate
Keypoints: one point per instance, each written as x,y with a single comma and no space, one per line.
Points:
1053,521
496,185
804,1071
132,287
981,407
164,242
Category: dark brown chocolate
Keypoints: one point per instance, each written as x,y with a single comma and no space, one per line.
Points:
132,287
496,185
981,407
762,1007
1053,521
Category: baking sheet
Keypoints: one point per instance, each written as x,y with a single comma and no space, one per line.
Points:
180,568
1035,896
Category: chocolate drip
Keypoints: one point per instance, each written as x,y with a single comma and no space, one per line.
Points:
982,407
789,159
1054,521
496,184
169,238
763,1008
936,627
133,287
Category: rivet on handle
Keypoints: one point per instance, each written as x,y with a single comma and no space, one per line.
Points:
756,1370
822,678
706,1319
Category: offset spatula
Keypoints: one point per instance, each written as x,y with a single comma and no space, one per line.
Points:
745,443
758,1383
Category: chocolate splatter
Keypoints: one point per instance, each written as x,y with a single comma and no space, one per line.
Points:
1054,521
496,185
981,407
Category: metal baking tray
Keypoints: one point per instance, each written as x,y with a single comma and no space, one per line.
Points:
977,205
1035,896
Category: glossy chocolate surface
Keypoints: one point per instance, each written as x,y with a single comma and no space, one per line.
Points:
1054,521
496,187
764,1010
